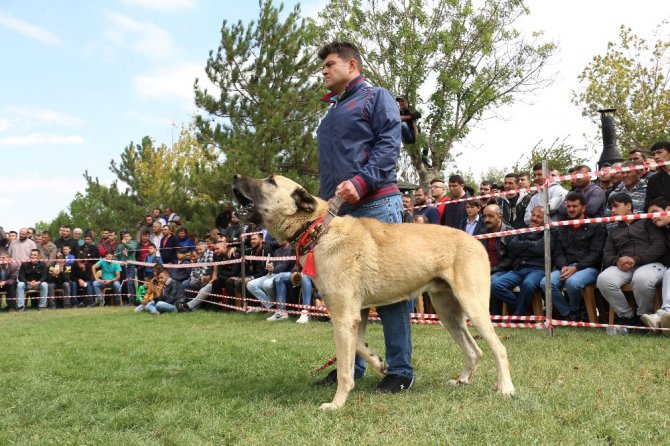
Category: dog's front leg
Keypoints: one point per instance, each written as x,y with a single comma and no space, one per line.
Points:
345,327
377,364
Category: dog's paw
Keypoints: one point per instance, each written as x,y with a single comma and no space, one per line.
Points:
329,406
457,382
507,391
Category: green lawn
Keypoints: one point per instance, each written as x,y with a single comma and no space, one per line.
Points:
111,377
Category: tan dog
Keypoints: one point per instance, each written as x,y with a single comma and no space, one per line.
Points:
362,263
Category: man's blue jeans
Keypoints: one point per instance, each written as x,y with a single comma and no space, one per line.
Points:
21,288
528,281
116,287
128,274
395,317
282,281
574,286
160,307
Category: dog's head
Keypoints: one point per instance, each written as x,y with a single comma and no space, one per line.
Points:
275,202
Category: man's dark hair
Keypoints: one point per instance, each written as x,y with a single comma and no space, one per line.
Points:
88,233
576,196
538,166
486,183
65,227
182,251
152,245
47,233
640,151
513,175
619,197
661,145
474,203
662,202
422,189
35,250
628,164
582,167
13,232
456,179
108,229
145,232
344,50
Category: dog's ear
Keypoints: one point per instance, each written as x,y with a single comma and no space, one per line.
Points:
304,200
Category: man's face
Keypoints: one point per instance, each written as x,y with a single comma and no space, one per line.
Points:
181,233
61,232
67,232
88,240
144,238
199,249
621,208
109,257
406,202
157,227
630,178
606,176
337,72
104,235
538,179
419,197
76,235
34,256
255,241
156,213
4,259
511,184
222,247
66,250
455,189
437,190
152,250
12,237
112,236
483,189
661,222
166,230
23,234
39,238
148,220
582,182
234,220
126,238
661,155
537,217
471,210
636,157
492,220
616,176
524,182
575,209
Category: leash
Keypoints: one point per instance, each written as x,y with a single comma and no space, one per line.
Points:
309,239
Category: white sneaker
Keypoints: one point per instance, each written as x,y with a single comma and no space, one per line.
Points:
304,317
278,317
139,309
652,320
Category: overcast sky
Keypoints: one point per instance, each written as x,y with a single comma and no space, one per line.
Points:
81,79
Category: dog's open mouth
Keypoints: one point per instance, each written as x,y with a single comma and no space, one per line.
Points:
246,205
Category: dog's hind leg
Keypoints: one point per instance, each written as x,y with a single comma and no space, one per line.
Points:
473,299
346,318
374,360
452,316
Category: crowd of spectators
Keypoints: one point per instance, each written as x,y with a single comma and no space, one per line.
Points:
76,269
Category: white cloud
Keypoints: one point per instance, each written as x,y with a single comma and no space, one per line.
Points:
29,30
4,124
172,82
162,5
36,139
143,37
49,116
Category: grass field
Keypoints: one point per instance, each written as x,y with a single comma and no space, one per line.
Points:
111,377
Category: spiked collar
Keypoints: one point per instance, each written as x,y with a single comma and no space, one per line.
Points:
308,236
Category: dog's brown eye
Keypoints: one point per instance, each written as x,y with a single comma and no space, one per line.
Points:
271,180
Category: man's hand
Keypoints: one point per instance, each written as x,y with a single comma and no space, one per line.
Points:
567,271
348,192
625,263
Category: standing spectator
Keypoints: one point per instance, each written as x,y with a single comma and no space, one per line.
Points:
486,188
365,179
659,184
234,229
527,254
169,246
438,191
77,235
594,195
632,254
32,276
524,181
126,252
473,223
577,259
9,272
408,208
633,185
423,208
454,213
20,249
185,240
171,216
223,219
157,236
147,225
105,246
638,157
513,204
65,238
110,276
661,319
49,249
143,246
556,195
158,217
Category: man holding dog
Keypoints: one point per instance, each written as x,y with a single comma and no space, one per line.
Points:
359,144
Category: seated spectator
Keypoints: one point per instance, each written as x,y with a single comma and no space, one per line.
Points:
556,195
263,287
659,184
154,288
169,246
661,319
9,272
527,255
82,275
170,298
110,275
577,260
152,257
255,269
633,252
496,247
423,208
32,276
59,278
183,273
125,252
513,204
409,129
633,185
185,241
201,275
282,282
473,224
89,250
454,213
223,276
408,208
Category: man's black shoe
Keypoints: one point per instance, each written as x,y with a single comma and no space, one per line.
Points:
395,384
330,378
